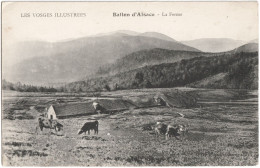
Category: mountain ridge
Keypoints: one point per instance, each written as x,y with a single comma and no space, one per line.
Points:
157,35
214,44
80,57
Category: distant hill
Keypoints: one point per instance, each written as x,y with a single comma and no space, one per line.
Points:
250,47
72,60
236,71
126,32
214,44
253,41
133,33
157,35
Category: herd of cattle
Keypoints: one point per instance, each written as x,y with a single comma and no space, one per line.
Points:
160,128
170,130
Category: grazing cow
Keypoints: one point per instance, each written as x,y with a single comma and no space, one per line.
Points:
160,128
89,126
48,123
176,130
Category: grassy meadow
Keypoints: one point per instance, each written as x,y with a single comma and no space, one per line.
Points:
223,131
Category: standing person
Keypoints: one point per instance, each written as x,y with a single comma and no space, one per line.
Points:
96,107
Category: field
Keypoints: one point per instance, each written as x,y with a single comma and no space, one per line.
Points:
223,131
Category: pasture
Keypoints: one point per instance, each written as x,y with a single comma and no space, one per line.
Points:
223,131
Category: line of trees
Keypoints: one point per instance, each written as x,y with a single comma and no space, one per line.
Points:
78,87
26,88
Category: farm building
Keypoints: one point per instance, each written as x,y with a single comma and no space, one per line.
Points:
175,99
69,110
58,111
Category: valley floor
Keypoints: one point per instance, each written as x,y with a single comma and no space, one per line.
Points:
220,134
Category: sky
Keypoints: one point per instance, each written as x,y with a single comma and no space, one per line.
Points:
236,20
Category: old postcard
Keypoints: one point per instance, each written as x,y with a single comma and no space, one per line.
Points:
129,83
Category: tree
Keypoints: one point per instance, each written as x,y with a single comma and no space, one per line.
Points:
107,88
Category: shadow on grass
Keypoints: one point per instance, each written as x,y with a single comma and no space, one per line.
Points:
23,153
146,160
200,137
57,134
32,133
240,145
93,138
17,144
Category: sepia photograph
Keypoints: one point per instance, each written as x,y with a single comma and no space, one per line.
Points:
129,84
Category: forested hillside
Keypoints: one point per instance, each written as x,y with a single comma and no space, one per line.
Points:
158,56
240,68
144,58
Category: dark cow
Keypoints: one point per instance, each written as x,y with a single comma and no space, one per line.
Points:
89,126
48,123
176,130
160,128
